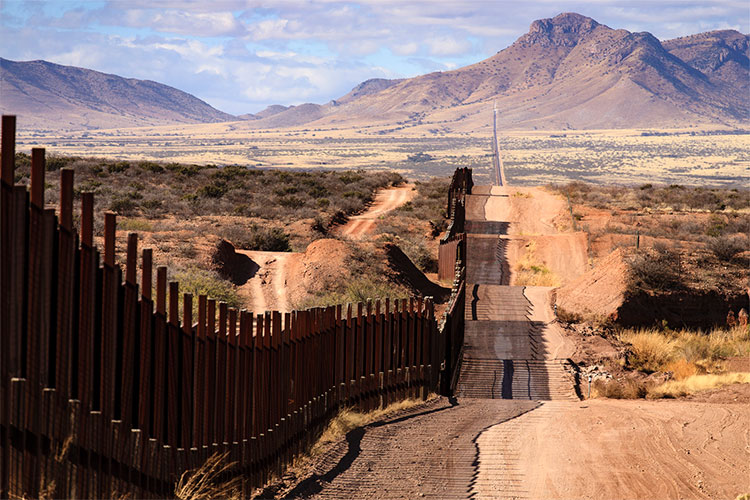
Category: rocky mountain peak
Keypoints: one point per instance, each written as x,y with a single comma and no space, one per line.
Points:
566,25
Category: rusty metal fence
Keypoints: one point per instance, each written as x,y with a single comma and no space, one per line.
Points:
106,390
453,244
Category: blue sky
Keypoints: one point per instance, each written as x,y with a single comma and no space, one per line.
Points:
242,55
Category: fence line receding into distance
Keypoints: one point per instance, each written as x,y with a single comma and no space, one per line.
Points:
106,390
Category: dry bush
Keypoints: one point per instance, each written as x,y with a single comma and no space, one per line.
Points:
726,247
267,239
650,351
655,350
682,368
209,481
616,389
565,316
657,268
697,383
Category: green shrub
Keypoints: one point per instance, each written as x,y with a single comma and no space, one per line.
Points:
216,190
202,282
123,205
265,239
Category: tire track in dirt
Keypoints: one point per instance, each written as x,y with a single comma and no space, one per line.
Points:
617,449
266,289
385,201
428,453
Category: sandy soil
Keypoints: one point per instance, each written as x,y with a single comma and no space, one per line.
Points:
285,279
503,449
618,449
385,201
266,290
537,217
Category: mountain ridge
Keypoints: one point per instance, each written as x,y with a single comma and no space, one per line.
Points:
46,94
566,72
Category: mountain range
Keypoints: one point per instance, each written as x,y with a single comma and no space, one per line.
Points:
566,72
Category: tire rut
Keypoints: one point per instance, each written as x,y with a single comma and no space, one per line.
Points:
431,453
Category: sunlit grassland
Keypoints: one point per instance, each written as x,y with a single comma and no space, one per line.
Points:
690,157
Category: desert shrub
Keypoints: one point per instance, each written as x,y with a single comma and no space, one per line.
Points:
358,289
55,162
616,389
117,167
726,247
199,281
655,269
267,239
216,190
425,261
123,205
649,351
669,350
655,197
565,316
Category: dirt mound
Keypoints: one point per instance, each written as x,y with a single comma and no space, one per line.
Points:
406,273
233,266
321,267
600,292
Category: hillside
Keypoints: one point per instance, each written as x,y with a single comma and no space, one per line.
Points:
566,72
50,96
723,56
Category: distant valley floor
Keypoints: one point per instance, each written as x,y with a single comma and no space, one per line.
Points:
690,156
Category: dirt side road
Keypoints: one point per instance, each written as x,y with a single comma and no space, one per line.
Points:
505,449
266,290
385,201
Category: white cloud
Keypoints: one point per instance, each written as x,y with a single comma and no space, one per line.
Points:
405,49
448,46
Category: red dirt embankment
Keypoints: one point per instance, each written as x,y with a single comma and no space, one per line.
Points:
275,281
599,292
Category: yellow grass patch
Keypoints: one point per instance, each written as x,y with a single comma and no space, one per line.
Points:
697,383
349,419
684,351
205,482
529,272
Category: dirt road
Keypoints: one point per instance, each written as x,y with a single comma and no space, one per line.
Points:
267,290
385,201
516,429
506,449
617,449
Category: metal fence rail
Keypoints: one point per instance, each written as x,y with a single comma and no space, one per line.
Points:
453,244
106,390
